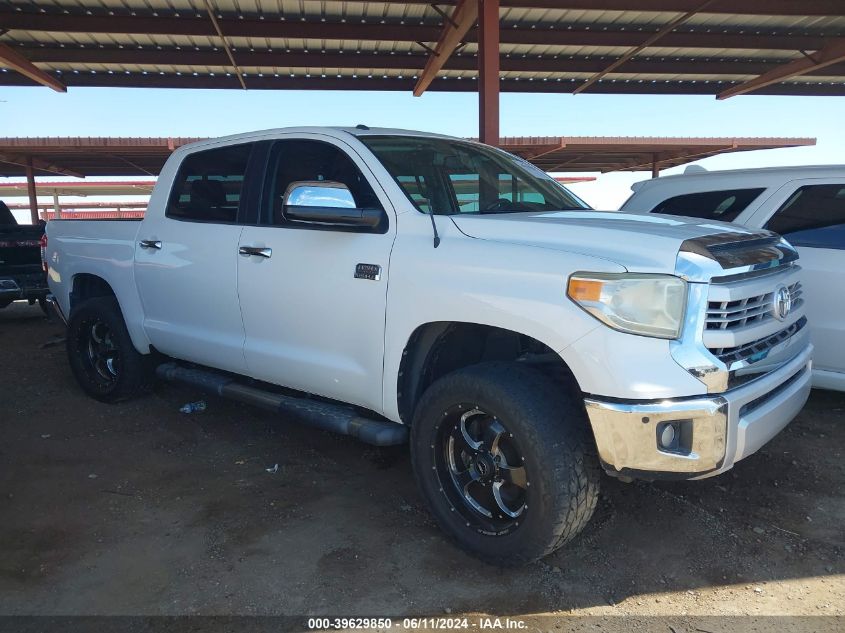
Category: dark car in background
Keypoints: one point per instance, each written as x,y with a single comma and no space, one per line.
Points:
22,275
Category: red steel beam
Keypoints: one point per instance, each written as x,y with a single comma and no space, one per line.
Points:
14,60
30,188
454,31
171,80
600,36
488,72
831,54
301,59
730,7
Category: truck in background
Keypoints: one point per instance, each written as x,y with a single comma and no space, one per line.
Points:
22,276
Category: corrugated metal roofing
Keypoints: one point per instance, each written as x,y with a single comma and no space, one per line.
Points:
354,44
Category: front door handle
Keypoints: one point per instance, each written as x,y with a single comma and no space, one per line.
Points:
156,244
259,251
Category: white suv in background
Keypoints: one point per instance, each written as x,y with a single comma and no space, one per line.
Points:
804,204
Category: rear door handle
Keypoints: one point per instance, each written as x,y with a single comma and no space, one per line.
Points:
156,244
259,251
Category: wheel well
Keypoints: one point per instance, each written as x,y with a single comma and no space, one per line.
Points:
87,286
436,349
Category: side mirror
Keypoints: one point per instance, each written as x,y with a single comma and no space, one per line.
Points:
327,203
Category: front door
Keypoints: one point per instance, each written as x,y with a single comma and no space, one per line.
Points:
313,297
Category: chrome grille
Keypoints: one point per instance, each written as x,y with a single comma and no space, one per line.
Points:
726,315
730,355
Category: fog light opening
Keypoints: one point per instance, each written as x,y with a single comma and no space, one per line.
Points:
669,436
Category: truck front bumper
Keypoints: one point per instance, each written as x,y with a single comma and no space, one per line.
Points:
690,438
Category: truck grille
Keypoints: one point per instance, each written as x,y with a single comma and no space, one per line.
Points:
740,322
726,315
730,355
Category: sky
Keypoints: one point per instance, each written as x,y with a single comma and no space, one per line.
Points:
39,111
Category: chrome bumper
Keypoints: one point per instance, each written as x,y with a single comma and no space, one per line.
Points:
711,432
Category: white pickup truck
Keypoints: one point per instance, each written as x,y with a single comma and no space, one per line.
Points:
396,285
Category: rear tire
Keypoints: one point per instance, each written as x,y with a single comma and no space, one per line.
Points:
102,357
503,457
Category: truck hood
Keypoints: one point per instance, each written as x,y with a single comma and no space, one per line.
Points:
639,242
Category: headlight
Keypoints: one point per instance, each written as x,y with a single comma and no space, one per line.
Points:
651,305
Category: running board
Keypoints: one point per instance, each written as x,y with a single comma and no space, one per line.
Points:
322,415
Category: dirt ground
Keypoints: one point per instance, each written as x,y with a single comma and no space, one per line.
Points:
138,509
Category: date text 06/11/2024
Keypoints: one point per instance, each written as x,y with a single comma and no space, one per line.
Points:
433,623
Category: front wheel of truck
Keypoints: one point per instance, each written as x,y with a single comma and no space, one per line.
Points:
503,457
101,354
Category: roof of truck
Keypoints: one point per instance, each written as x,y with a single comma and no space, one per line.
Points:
364,130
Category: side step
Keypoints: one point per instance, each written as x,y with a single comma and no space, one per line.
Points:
322,415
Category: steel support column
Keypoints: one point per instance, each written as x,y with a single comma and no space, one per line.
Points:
56,206
488,71
30,188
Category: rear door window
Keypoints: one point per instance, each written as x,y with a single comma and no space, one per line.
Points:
723,205
209,184
813,216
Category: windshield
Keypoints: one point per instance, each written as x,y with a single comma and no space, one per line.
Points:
445,177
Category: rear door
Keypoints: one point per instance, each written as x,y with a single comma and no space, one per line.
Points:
810,214
313,302
187,257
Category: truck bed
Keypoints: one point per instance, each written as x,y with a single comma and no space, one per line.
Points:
105,248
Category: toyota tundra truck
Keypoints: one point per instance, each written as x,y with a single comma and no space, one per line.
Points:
400,286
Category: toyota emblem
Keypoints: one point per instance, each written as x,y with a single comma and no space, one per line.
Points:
782,303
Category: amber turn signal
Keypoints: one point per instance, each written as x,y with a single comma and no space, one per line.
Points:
584,289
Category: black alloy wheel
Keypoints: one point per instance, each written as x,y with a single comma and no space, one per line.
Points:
481,469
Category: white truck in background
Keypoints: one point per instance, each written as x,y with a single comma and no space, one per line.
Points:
396,286
804,204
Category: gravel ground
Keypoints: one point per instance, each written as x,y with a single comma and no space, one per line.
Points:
137,509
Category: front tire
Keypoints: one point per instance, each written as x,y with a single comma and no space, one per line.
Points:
101,354
501,454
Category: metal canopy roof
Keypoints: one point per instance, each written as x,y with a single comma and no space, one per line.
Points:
146,156
606,46
604,154
87,156
78,188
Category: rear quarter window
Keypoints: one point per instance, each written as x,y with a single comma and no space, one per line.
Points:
725,204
